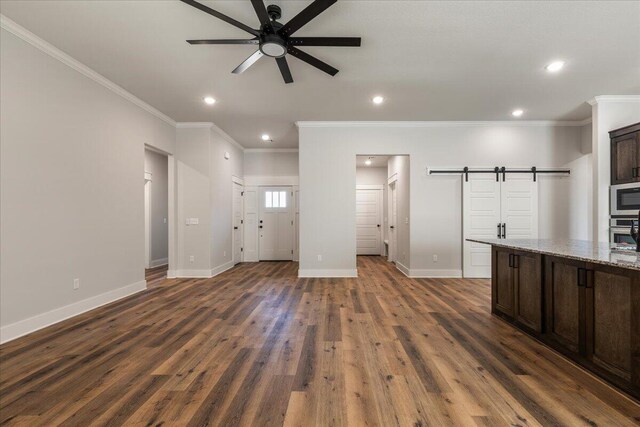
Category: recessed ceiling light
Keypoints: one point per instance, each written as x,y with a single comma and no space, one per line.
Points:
378,99
368,161
209,100
517,113
265,137
555,66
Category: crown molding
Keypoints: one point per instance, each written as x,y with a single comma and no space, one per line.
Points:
436,124
270,150
614,98
26,35
194,125
227,137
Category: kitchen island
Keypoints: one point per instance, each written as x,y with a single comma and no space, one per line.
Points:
581,298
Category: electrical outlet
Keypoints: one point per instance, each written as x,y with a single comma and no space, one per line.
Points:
192,258
224,253
319,257
76,283
406,220
435,258
165,220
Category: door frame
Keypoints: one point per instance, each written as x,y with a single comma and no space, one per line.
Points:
379,187
148,181
393,242
237,181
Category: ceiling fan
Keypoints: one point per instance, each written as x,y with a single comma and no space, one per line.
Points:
275,39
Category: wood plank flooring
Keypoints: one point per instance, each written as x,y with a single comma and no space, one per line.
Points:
257,346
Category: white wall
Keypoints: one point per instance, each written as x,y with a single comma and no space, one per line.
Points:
72,197
328,178
204,180
608,113
270,168
156,164
222,198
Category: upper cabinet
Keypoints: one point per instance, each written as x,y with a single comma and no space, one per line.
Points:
625,154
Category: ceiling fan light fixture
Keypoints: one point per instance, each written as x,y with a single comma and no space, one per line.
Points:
273,46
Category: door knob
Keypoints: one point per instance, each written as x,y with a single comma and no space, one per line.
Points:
235,228
378,225
260,226
391,226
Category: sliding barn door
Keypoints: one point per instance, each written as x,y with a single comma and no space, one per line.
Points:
481,216
519,206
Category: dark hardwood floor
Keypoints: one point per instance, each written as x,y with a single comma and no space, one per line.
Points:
156,275
257,346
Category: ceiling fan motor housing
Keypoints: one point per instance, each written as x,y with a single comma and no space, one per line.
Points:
274,12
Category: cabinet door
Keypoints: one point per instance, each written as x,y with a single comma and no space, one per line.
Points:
609,323
565,323
527,276
624,158
502,300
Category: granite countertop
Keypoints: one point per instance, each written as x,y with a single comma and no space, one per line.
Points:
583,250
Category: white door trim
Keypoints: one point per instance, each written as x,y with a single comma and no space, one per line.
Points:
237,181
369,187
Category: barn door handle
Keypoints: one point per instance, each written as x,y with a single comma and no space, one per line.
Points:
499,235
504,230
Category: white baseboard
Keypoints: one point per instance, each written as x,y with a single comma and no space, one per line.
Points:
222,268
189,274
428,273
158,262
32,324
347,272
404,269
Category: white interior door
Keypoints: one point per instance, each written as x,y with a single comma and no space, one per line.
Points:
481,216
519,206
238,223
250,252
147,220
368,221
276,223
393,222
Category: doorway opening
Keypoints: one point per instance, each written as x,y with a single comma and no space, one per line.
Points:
156,214
382,207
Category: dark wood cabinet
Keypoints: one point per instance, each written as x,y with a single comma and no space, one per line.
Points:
588,312
564,297
609,336
517,293
625,154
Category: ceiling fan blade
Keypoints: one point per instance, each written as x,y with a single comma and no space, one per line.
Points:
263,16
284,69
307,14
224,41
325,41
222,16
248,62
312,60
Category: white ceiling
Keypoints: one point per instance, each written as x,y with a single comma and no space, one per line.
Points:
376,161
431,60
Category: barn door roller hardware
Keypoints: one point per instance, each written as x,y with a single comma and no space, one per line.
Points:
497,171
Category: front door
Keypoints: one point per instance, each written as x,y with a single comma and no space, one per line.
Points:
275,224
